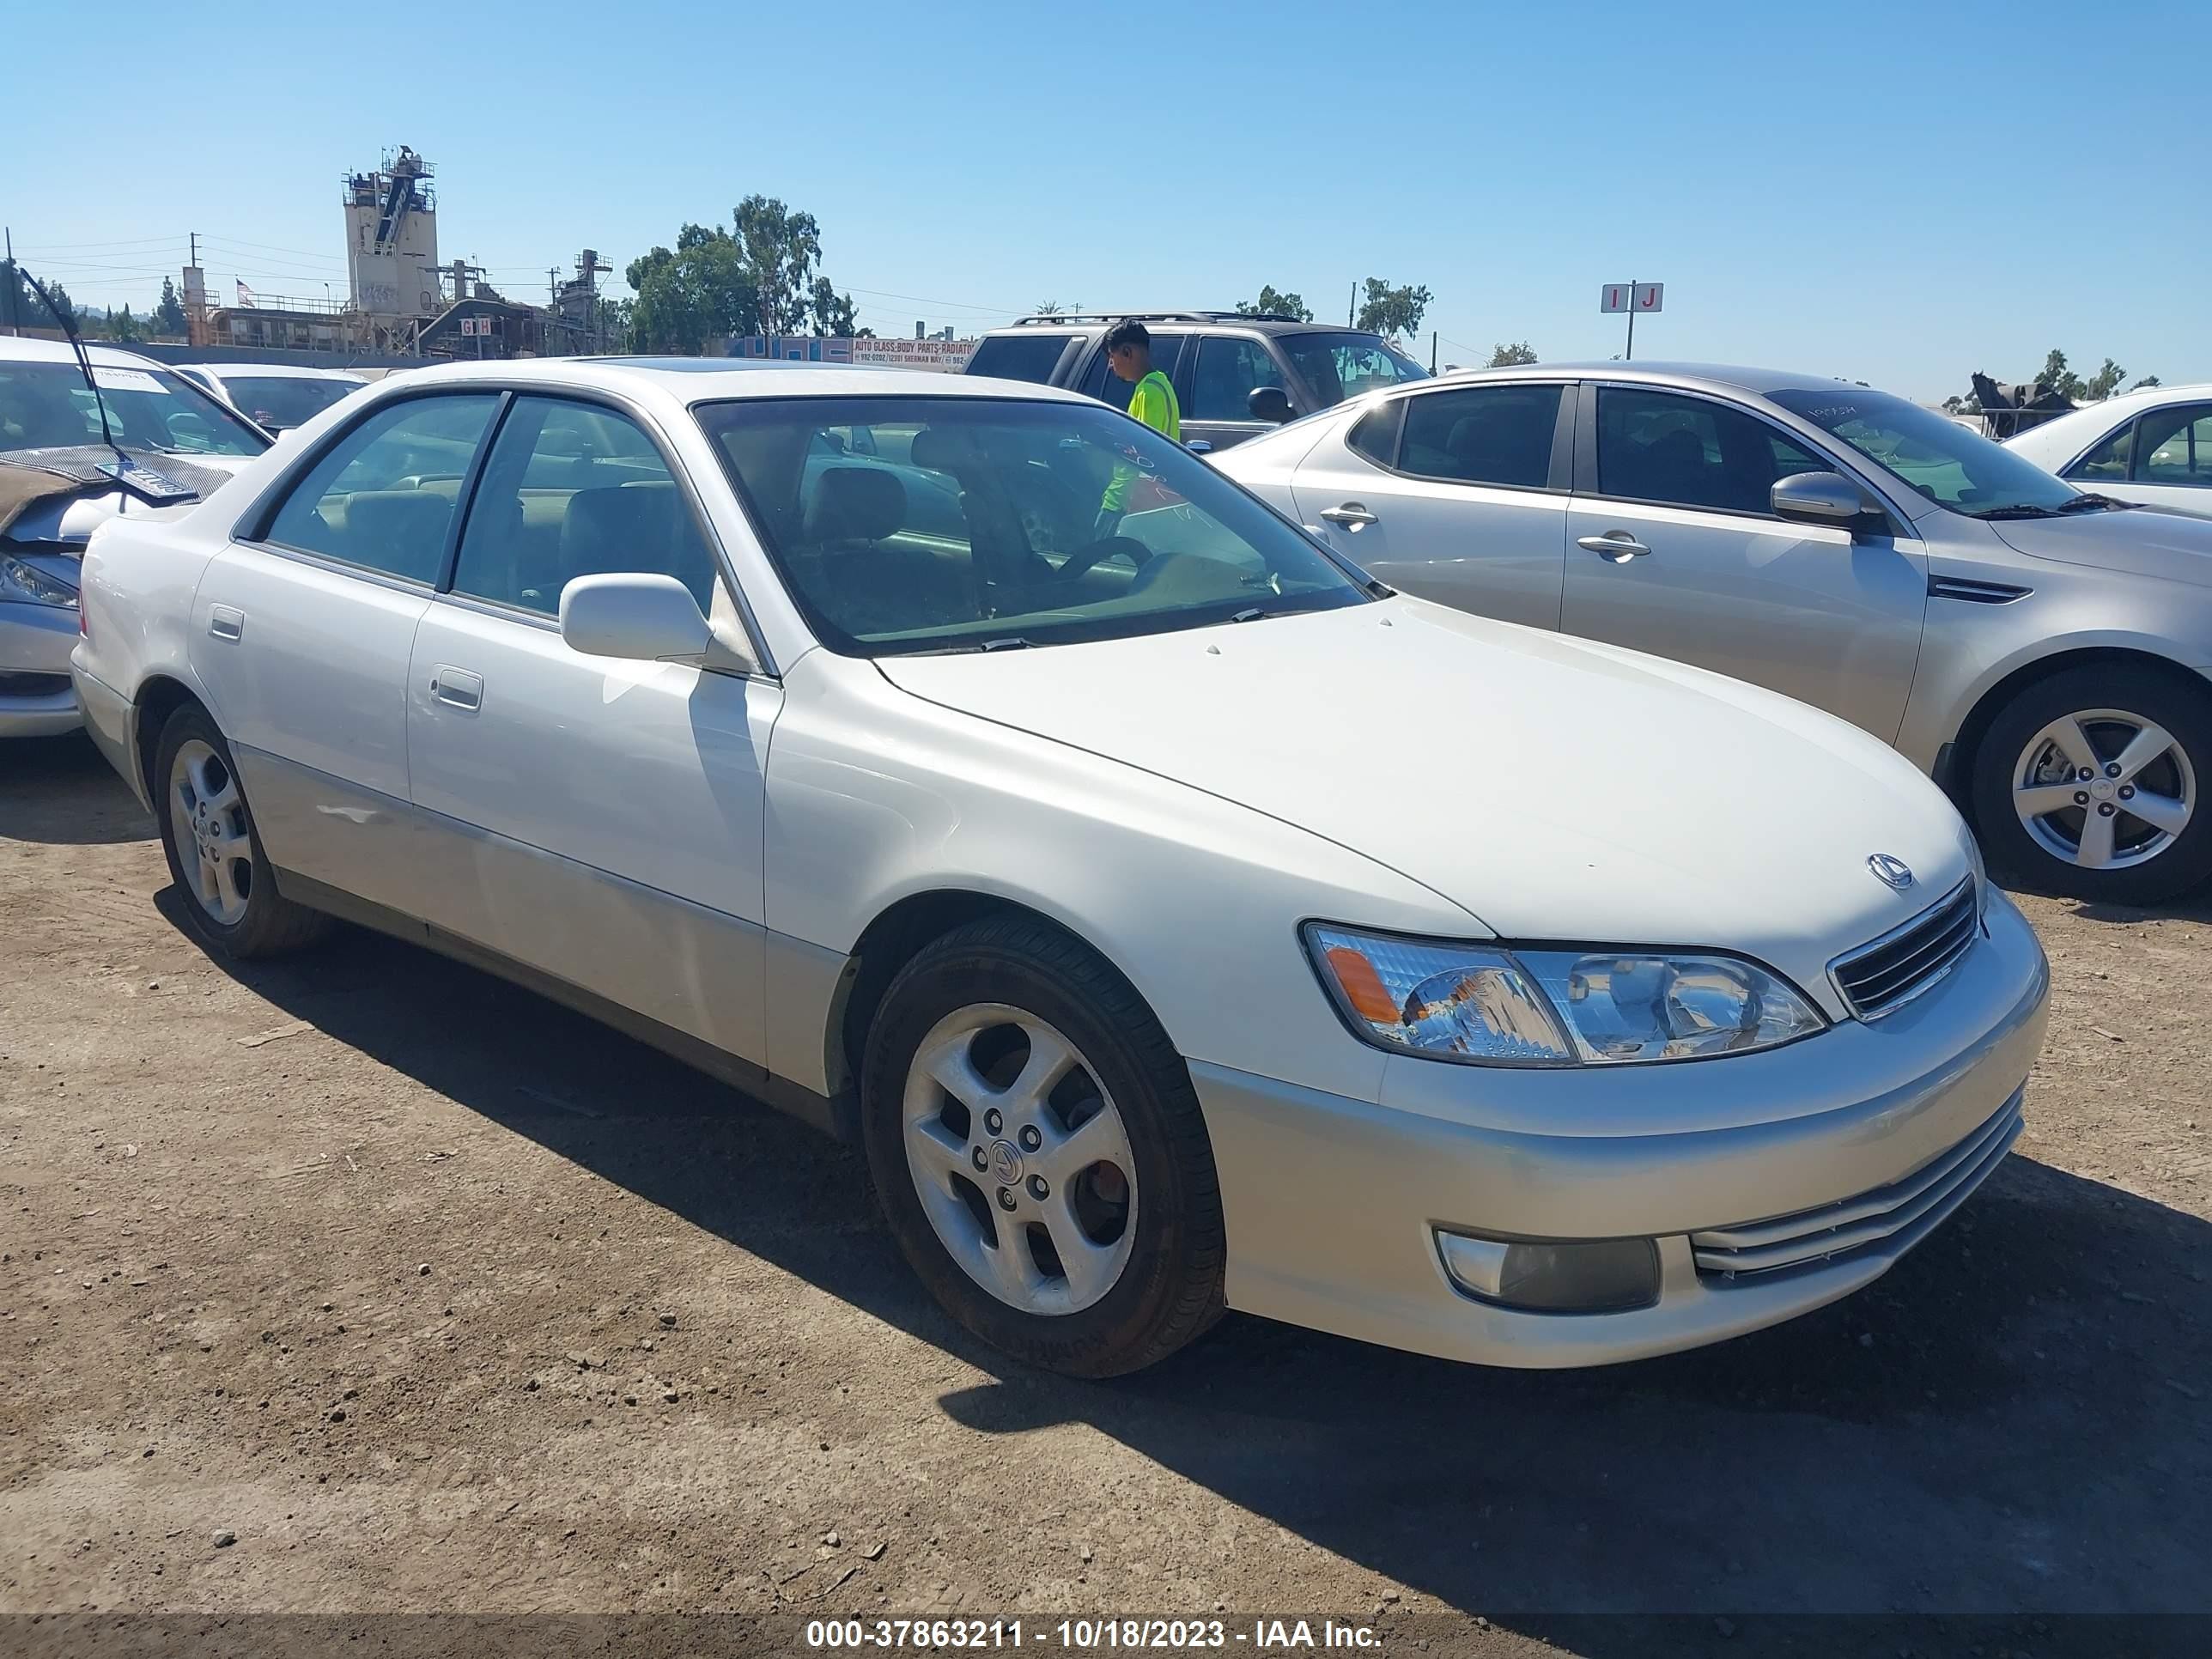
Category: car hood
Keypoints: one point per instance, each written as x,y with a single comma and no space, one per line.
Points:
1552,787
69,521
2142,541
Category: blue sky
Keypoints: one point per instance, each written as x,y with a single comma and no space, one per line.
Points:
1899,194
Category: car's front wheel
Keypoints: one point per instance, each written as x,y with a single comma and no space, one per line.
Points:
231,904
2091,783
1039,1153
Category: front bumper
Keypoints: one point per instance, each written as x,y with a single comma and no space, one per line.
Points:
1333,1205
35,642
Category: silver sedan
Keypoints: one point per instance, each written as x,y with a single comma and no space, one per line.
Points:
2041,650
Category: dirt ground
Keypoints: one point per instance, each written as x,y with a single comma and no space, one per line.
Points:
434,1297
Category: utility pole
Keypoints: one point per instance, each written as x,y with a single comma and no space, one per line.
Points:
15,286
1351,306
1432,351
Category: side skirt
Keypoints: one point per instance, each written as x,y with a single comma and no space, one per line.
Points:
837,1117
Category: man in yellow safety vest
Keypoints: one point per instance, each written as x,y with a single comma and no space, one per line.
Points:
1129,353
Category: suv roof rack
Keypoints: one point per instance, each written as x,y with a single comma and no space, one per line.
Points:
1079,317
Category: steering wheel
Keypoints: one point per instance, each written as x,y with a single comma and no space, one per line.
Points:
1080,561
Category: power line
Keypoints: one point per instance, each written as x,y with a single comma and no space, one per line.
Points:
71,247
266,248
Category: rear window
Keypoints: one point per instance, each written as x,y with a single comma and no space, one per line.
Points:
1019,356
278,401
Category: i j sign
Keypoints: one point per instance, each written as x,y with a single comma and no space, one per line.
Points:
1630,296
1647,296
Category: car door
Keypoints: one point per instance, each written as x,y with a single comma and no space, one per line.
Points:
600,820
301,629
1225,370
2161,458
1457,494
1673,548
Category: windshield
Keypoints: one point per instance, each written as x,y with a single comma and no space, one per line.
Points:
48,406
1931,454
906,525
1341,366
281,401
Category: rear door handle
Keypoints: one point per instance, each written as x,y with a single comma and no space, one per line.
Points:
457,687
1352,515
225,623
1615,544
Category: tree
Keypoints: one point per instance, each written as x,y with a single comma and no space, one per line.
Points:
2147,381
20,308
168,314
2105,382
834,312
2057,377
122,326
1506,356
1272,304
1394,310
694,297
778,248
1054,308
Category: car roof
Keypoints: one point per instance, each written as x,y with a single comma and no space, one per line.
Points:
715,380
1180,322
276,372
18,349
1723,376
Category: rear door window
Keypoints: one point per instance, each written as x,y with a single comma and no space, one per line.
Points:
2176,448
1492,434
1230,368
383,495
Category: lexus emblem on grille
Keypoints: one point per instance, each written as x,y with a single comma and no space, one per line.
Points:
1892,871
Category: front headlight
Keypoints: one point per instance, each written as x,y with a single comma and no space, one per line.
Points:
1486,1004
26,584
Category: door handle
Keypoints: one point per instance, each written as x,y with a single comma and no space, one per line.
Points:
1352,515
1617,545
225,623
457,687
1199,447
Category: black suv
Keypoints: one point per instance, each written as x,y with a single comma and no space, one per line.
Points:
1236,374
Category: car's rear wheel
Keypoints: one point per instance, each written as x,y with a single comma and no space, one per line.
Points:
231,901
1039,1153
2091,783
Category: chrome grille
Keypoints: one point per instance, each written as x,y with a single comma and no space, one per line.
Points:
1911,1207
1882,977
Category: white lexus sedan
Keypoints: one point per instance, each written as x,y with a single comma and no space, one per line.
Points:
1178,920
2153,445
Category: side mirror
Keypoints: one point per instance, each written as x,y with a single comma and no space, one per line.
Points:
629,614
1269,402
1827,498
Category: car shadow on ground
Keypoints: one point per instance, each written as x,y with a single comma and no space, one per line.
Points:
2012,1420
62,791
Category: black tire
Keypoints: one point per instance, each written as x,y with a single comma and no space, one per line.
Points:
271,923
1169,1290
2167,698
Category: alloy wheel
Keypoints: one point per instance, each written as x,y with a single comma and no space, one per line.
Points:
1020,1158
2104,789
207,827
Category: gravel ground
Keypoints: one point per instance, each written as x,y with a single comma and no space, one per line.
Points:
362,1283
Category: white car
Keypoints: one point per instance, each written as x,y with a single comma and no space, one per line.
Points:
275,396
52,492
1178,921
2154,445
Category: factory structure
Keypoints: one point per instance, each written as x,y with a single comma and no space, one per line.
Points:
402,301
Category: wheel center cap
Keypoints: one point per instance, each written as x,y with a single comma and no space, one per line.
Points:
1005,1162
2102,789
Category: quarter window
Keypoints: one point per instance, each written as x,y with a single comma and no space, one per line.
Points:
382,497
2177,446
2108,462
1495,434
1230,370
1374,435
1685,452
571,489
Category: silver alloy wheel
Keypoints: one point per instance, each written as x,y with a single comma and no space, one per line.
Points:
207,827
1021,1159
2104,789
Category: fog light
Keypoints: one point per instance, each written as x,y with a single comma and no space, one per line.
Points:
1605,1276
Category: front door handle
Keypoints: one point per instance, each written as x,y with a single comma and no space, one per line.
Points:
1352,515
1615,544
1199,447
457,687
225,623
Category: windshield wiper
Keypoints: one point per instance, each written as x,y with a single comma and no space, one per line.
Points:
2020,510
2090,501
1252,614
1011,642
